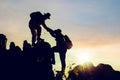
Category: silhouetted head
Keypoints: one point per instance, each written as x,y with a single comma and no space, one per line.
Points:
3,37
47,15
25,42
3,41
12,45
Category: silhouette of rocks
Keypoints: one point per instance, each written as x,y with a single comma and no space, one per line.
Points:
34,63
89,72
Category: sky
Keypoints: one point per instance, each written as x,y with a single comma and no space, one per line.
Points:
92,25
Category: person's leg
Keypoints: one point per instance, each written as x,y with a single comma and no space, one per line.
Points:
62,58
53,57
54,49
38,32
34,35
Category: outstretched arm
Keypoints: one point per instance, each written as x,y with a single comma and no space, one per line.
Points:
49,30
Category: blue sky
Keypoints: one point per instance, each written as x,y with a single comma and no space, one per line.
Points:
93,25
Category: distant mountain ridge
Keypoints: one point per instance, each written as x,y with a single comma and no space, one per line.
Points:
88,71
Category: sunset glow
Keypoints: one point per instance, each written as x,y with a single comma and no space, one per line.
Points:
83,56
92,25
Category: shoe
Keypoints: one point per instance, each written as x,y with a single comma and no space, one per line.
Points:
40,39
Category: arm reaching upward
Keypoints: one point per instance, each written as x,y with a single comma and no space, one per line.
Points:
52,33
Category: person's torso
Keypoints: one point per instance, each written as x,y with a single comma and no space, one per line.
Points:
59,40
36,22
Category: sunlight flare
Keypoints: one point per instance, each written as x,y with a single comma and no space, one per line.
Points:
83,56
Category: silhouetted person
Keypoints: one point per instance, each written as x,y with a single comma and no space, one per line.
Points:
11,48
36,20
27,52
3,51
26,47
11,53
3,41
60,45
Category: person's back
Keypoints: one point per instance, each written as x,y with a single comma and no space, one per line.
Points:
59,38
36,19
36,15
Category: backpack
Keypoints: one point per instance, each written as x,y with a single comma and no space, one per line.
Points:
36,15
68,42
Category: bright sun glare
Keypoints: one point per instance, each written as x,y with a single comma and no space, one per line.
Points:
83,57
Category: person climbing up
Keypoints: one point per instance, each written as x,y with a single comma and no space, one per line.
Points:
60,45
37,19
